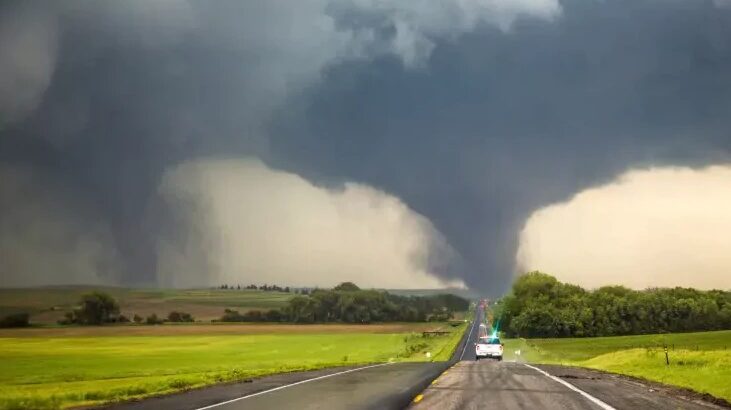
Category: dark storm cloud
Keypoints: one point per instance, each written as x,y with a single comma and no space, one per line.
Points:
499,124
472,124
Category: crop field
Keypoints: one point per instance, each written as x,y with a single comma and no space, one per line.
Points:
61,369
700,361
48,304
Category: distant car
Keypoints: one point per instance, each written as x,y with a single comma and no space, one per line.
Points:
489,347
482,331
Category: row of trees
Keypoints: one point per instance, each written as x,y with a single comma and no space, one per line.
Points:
541,306
349,304
98,308
265,287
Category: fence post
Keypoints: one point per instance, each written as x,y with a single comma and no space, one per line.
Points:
667,359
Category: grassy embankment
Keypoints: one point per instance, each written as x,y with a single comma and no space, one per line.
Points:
698,361
62,367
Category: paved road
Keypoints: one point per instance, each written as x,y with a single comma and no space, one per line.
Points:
467,384
503,385
388,386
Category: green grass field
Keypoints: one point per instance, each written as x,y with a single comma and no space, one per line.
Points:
48,304
699,361
51,372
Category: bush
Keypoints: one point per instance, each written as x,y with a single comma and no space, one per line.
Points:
175,316
137,318
154,320
15,320
122,319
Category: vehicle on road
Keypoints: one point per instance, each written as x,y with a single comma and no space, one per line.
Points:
489,347
482,331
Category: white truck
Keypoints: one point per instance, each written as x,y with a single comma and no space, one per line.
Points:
489,347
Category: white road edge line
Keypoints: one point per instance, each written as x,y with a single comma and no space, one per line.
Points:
591,398
290,385
468,340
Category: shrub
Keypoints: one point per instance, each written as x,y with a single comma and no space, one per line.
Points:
175,316
15,320
123,319
137,318
154,320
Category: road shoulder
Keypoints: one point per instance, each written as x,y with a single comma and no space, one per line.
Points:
208,395
636,393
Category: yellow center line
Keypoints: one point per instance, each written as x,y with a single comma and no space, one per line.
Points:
418,398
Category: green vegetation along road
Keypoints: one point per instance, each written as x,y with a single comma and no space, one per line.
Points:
48,372
699,361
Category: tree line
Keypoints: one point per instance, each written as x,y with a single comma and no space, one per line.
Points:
264,287
347,303
541,306
98,308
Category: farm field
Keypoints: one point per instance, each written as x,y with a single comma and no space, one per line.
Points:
700,361
62,368
46,305
212,329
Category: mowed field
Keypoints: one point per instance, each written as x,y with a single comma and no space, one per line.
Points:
699,361
46,305
63,367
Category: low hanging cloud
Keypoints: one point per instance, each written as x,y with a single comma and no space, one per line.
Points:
238,221
649,228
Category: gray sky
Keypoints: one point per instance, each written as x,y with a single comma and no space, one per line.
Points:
468,115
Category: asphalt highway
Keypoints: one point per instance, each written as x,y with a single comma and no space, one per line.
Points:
504,385
384,386
461,383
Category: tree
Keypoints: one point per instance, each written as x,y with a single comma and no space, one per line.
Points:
175,316
96,308
137,318
274,315
347,287
541,306
153,320
15,320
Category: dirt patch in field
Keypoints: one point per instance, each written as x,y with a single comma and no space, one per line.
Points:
217,329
